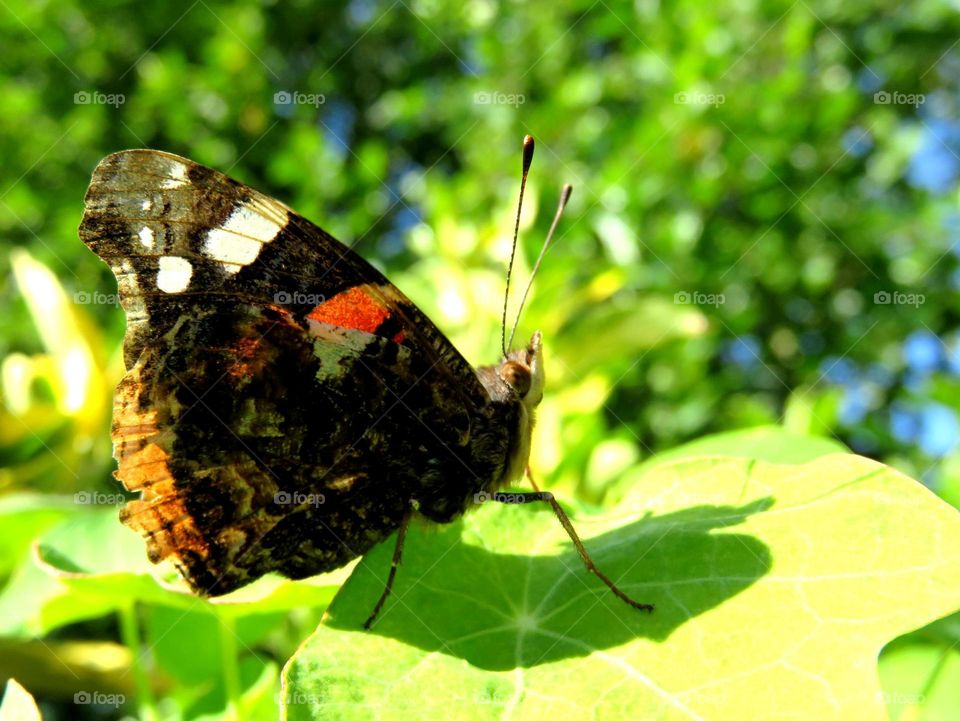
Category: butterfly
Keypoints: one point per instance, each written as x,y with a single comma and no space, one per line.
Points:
285,407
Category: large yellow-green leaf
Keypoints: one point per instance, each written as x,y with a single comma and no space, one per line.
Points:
766,443
775,588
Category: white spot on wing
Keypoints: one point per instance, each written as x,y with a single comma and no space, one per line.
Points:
238,241
178,176
146,237
146,204
174,274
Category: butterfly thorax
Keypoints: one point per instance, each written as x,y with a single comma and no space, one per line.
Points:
517,382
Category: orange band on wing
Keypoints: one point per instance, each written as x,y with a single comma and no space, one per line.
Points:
353,308
161,515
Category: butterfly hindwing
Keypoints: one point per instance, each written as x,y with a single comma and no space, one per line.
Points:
283,402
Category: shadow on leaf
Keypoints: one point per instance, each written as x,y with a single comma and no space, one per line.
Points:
502,611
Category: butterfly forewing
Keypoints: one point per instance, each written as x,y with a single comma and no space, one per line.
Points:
284,403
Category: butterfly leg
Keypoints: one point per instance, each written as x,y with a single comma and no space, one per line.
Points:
564,519
397,553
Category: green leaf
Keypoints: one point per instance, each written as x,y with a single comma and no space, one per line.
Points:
96,553
24,516
91,565
189,646
812,412
765,443
598,334
259,699
34,603
775,588
920,681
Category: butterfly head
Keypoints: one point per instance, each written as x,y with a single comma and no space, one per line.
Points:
517,384
522,371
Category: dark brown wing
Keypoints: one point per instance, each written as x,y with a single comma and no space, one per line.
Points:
283,402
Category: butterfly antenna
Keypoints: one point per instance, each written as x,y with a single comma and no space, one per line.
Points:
528,145
564,198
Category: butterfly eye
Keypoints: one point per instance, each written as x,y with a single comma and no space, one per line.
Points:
517,376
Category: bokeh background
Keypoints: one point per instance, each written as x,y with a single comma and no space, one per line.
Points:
764,228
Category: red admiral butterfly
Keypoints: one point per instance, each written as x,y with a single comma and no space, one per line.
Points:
285,407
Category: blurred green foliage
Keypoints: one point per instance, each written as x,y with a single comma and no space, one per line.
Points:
763,230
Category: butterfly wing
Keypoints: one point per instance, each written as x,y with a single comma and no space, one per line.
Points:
283,403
